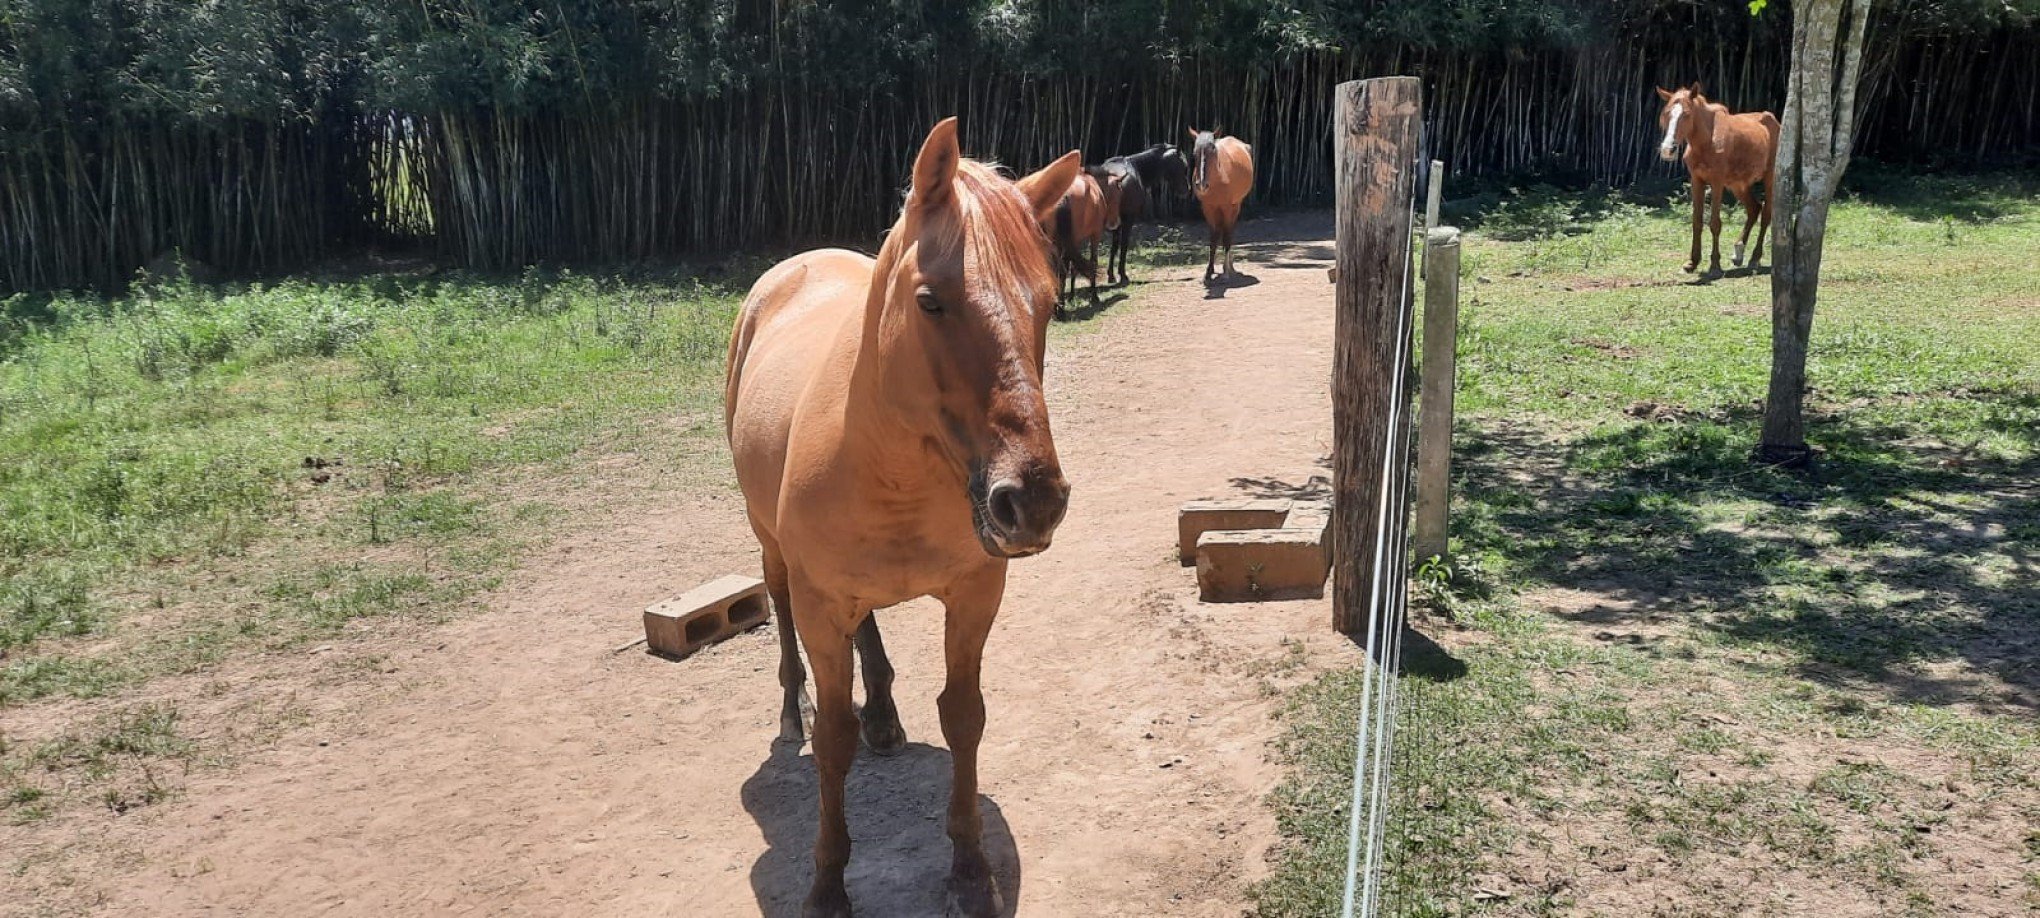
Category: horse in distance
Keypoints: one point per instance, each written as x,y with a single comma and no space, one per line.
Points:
1165,170
1076,225
1222,173
1724,150
1126,201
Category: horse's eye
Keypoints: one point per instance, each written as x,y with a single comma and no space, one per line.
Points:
926,297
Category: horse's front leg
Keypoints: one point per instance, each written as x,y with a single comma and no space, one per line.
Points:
825,630
1211,259
882,731
1699,200
972,606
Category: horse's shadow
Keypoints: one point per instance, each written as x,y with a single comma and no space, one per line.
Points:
899,855
1216,286
1707,279
1084,310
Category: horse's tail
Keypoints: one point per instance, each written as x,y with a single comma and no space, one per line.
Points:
1065,234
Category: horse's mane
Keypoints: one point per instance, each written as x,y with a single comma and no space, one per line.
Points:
1004,245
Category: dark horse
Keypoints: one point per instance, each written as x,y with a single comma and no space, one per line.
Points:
1166,172
1126,201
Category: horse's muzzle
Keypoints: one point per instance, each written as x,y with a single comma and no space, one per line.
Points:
1668,152
1018,516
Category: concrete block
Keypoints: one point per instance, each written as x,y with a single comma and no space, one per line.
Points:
1316,519
1312,515
1201,516
1251,565
718,609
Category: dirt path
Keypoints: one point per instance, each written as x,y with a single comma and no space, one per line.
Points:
525,769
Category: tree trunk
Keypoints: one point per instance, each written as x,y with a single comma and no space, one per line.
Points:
1814,142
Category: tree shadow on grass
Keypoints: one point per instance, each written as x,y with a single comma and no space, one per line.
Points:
1887,561
1969,199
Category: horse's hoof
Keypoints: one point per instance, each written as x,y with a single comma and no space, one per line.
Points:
976,897
884,737
1691,266
830,906
791,731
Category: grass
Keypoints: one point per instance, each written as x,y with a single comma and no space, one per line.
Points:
190,472
1693,685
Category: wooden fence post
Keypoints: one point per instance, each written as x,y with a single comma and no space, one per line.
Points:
1434,418
1375,142
1436,197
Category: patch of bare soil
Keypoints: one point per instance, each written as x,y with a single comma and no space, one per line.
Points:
512,762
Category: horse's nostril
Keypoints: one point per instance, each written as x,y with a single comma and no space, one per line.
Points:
1003,503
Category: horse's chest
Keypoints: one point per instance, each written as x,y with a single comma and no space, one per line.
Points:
886,546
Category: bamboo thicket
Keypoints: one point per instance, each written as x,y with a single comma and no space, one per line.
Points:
255,135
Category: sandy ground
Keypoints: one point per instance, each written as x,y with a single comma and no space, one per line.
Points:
519,766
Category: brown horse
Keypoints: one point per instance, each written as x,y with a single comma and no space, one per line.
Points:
1723,150
1080,219
1222,172
889,432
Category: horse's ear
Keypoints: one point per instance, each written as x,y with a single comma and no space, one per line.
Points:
1696,88
1045,189
1193,135
935,167
1664,93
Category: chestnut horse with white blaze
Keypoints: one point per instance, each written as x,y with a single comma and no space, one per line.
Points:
888,426
1723,150
1222,172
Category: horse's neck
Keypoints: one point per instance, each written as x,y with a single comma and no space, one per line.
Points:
868,400
1700,127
